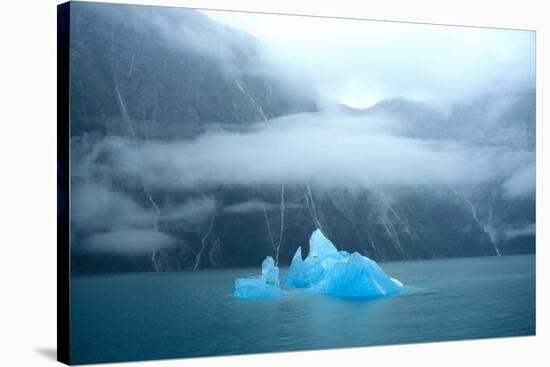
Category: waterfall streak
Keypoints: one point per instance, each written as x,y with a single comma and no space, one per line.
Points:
203,243
282,223
142,176
258,107
268,225
487,228
154,261
392,233
312,209
401,218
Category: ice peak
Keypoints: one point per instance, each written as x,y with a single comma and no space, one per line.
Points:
270,272
319,245
297,255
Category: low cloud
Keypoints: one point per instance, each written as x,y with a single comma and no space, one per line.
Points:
98,208
129,242
95,206
254,206
194,210
527,230
522,183
325,150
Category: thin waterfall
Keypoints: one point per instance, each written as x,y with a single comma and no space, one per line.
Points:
265,119
203,243
282,223
142,176
268,226
311,207
487,228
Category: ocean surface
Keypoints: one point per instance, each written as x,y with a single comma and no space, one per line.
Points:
190,314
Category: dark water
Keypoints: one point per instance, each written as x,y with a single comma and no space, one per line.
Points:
189,314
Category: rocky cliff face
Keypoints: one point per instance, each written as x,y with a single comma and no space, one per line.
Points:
142,76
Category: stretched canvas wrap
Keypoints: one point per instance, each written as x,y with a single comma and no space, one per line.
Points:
233,183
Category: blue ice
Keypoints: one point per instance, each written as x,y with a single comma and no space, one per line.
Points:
270,272
255,288
322,257
325,270
358,277
266,286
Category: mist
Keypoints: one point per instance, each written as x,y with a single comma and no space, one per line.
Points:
448,107
359,63
129,242
327,151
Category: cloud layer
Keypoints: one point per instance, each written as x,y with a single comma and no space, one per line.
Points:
130,242
325,150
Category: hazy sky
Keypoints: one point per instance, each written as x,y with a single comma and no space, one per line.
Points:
361,62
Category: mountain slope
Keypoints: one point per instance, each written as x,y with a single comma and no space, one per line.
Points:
144,76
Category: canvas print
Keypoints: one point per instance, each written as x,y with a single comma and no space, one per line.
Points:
252,183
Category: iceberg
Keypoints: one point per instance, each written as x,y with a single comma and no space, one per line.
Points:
397,282
254,288
270,272
322,256
359,277
325,270
319,245
267,286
